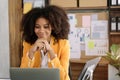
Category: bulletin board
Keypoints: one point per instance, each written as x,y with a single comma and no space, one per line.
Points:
101,16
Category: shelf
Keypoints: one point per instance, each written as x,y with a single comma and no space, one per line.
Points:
87,8
114,33
114,7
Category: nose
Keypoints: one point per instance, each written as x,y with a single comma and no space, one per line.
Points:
41,29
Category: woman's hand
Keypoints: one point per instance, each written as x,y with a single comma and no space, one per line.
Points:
38,45
44,45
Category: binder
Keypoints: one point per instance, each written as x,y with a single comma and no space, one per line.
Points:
113,2
113,24
118,2
118,24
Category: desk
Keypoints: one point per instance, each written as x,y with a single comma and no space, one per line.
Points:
100,73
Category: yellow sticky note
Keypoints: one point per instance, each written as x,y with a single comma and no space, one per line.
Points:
91,44
27,7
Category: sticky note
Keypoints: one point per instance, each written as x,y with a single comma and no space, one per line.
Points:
86,20
27,7
91,44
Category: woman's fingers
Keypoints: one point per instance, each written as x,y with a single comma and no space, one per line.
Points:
43,44
40,46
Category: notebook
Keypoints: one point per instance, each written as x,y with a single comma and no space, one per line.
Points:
89,66
34,74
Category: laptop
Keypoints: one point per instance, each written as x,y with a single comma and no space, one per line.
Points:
88,69
34,74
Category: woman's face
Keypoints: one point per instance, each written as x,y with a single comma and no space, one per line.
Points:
42,28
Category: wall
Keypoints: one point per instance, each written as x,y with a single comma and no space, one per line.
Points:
112,71
4,40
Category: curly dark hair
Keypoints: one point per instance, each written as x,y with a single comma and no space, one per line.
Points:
56,16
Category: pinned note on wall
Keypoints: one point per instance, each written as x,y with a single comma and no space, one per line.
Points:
27,7
91,44
86,20
96,47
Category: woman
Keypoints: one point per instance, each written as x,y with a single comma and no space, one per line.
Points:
45,34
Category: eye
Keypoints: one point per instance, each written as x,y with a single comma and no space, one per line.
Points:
37,26
46,26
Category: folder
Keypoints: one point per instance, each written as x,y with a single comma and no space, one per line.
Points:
118,24
113,2
27,7
113,24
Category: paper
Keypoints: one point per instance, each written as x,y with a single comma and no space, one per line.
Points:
86,20
74,43
94,17
73,39
99,29
27,7
82,46
83,34
96,47
72,19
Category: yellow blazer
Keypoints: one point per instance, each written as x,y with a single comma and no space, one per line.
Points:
62,50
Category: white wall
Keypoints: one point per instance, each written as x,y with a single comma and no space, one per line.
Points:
4,40
112,71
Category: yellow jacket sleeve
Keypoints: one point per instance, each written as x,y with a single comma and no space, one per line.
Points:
26,62
62,59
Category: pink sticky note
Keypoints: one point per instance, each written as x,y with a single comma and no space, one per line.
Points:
86,21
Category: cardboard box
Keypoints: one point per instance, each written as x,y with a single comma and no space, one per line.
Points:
92,3
64,3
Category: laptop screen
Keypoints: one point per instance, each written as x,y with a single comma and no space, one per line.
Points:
34,74
91,64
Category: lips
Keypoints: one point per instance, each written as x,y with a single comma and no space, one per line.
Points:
41,35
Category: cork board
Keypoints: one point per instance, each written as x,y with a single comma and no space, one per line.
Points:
101,16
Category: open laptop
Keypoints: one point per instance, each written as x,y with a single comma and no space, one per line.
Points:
88,69
34,74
